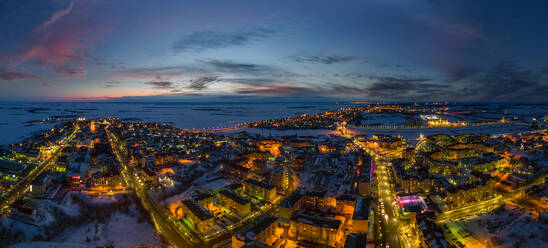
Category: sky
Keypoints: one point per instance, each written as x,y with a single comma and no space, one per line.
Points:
240,50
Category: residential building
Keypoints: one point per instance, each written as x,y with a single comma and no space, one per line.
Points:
234,202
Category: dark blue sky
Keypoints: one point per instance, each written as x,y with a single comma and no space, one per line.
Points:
202,50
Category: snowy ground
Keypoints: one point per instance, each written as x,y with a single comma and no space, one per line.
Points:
120,229
509,226
415,132
19,120
385,119
411,133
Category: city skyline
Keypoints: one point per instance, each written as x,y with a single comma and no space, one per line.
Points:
242,50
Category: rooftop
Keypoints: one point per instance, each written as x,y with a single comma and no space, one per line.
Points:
316,220
345,197
202,196
234,186
41,179
12,166
293,198
197,210
259,183
248,233
235,197
361,212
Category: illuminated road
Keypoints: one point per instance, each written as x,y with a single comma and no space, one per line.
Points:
164,224
389,223
385,195
43,165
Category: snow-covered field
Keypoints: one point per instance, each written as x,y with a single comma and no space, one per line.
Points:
414,133
120,230
388,119
509,226
123,228
19,120
411,133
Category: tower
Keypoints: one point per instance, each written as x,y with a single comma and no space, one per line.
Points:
92,126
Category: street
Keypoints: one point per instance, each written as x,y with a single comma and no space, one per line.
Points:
23,185
163,224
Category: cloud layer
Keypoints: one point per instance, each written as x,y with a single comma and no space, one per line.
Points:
10,75
201,40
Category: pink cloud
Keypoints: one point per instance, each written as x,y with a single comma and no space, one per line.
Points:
60,43
54,18
11,75
49,85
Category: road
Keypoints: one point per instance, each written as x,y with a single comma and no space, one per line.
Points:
22,186
385,196
389,224
162,222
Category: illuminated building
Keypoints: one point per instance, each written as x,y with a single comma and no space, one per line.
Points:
237,170
149,176
488,162
234,202
260,190
326,148
74,179
40,184
364,180
417,183
92,127
290,205
360,218
204,199
431,235
289,180
262,230
436,121
345,204
8,167
98,179
238,188
315,229
284,179
254,161
163,159
410,203
197,215
315,200
272,146
481,189
454,154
